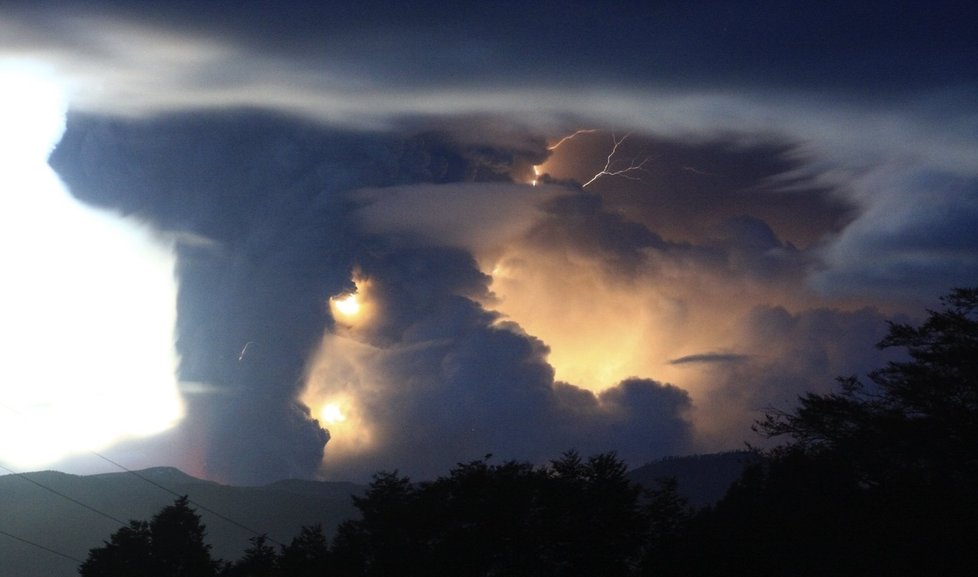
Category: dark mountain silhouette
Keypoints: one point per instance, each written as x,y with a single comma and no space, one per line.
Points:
36,514
701,479
279,509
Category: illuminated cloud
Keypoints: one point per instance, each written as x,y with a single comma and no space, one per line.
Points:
495,317
444,381
792,192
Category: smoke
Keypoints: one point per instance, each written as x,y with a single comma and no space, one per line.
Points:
653,316
263,239
614,304
493,316
433,378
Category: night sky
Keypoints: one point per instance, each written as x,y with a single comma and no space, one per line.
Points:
256,241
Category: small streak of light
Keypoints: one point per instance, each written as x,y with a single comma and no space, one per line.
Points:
627,172
244,350
571,137
555,146
695,170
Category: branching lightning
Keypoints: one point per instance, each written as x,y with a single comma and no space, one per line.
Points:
609,165
612,166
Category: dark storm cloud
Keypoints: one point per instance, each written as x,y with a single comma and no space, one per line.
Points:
267,260
581,258
447,382
590,226
272,216
579,222
791,352
690,188
801,157
709,358
263,240
265,236
885,49
924,235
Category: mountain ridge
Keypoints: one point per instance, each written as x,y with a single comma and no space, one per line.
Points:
85,513
68,524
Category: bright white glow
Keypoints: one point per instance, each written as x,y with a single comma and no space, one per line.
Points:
332,414
341,383
347,305
87,300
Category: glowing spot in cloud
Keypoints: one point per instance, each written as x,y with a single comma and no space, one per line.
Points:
353,310
600,330
347,305
88,301
339,380
332,414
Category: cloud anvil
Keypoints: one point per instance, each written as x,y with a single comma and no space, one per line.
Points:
378,227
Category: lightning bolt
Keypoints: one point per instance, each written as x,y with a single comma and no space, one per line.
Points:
610,163
553,147
611,166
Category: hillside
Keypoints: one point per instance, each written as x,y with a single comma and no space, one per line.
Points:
279,509
36,514
702,479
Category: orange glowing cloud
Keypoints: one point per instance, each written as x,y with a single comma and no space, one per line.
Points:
610,298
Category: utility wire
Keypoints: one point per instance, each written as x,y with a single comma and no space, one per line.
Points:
39,546
198,505
144,478
62,495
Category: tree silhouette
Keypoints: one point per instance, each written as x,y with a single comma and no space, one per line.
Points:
259,560
667,516
878,478
917,420
483,519
573,517
306,555
384,540
127,552
170,545
177,540
595,515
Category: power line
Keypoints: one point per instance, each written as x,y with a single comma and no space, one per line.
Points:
42,547
178,495
62,495
146,479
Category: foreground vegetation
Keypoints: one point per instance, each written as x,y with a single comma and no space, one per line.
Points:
877,478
